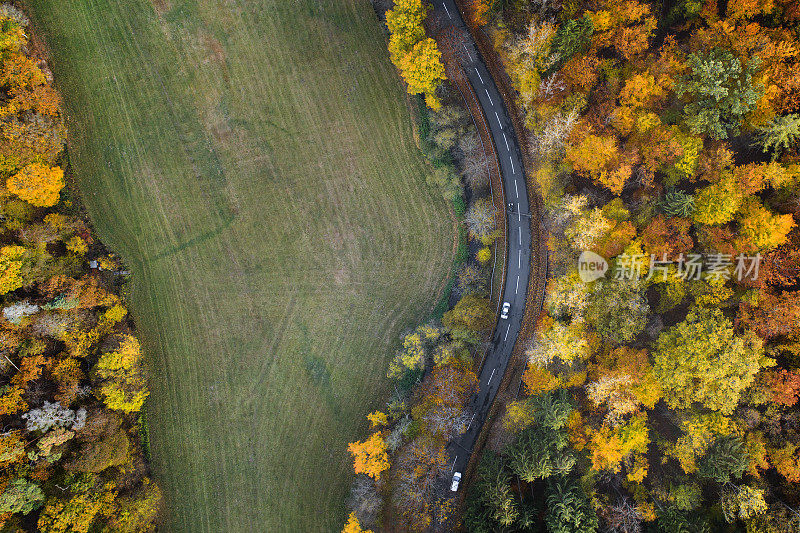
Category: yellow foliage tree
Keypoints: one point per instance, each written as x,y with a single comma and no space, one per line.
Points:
538,379
717,203
37,184
418,58
415,348
11,260
377,418
757,451
122,386
519,416
114,315
700,430
598,157
77,513
352,525
11,402
12,448
136,511
12,37
763,229
422,68
119,399
405,26
609,446
471,313
370,456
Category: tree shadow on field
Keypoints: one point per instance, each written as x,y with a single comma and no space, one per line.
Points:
319,374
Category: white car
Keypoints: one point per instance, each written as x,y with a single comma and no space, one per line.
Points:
456,481
506,309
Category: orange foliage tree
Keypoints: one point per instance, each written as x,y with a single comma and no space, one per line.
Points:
667,236
609,446
419,464
598,157
370,456
77,513
624,24
773,315
783,386
443,396
538,379
37,184
478,12
786,460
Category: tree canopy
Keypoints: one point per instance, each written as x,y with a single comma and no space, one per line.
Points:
703,360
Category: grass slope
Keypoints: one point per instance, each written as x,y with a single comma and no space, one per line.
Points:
253,163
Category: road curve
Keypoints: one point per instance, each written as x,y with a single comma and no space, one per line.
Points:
519,242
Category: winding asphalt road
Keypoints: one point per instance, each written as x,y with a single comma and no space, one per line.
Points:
519,243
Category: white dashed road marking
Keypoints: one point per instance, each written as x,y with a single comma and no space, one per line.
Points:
498,120
519,259
479,75
516,290
490,98
468,54
516,189
448,11
512,165
504,136
490,377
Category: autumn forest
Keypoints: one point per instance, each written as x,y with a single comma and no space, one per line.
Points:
653,385
73,448
663,139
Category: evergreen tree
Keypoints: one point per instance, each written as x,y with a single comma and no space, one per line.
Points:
540,452
779,135
677,203
726,459
720,92
568,508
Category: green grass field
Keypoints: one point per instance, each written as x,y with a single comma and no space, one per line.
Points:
253,163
